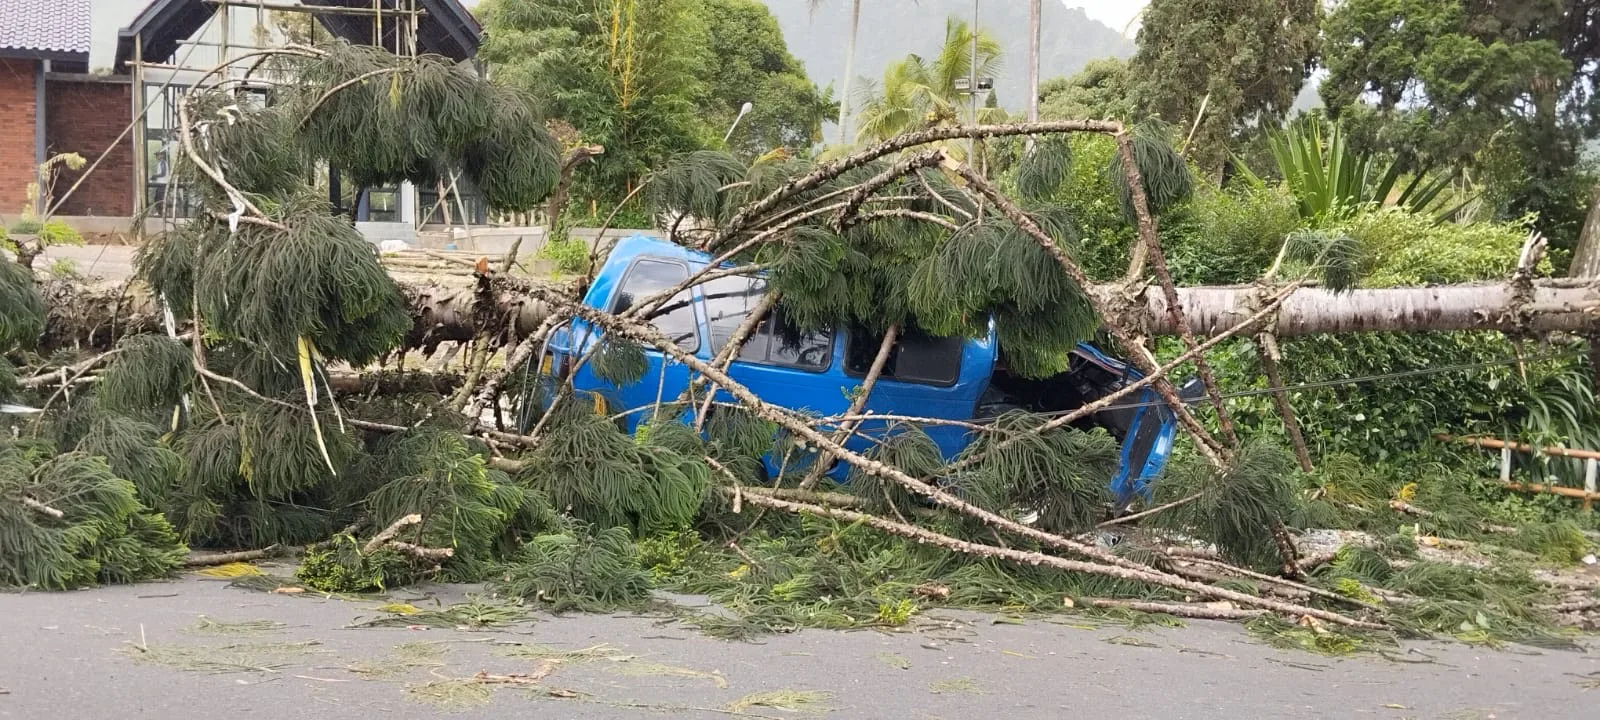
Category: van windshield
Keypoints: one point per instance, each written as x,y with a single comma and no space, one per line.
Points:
676,318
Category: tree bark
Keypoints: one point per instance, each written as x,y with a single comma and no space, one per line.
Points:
89,316
1562,305
849,70
1586,256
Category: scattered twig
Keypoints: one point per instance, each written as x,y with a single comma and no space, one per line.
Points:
213,559
388,533
1221,611
37,506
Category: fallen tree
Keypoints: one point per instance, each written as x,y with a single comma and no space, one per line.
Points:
90,314
234,421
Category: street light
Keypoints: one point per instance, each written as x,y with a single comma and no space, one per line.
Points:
744,110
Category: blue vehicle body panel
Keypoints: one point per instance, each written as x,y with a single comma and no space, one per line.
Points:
825,391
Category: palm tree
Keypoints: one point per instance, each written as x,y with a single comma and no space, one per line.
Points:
917,93
849,66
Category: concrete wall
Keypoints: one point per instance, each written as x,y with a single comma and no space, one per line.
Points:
87,113
17,145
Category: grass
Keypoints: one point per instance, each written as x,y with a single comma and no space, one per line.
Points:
209,626
234,658
955,686
812,702
638,669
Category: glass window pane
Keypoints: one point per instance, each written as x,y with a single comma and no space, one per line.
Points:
676,318
916,356
729,301
797,348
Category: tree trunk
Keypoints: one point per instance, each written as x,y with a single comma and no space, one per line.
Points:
82,315
1586,257
1562,305
849,72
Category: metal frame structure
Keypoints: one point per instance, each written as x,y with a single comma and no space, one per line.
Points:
172,42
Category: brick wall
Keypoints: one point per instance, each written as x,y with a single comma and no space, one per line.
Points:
85,116
17,164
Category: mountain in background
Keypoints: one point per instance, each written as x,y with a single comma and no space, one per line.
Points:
891,29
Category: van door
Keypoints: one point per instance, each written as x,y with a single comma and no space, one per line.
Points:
779,363
663,379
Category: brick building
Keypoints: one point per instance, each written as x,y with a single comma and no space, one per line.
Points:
49,104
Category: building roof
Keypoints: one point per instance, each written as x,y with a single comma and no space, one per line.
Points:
447,27
45,29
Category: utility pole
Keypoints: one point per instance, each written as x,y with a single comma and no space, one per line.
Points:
972,82
1034,21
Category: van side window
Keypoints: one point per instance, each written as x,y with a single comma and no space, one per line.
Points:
915,357
730,300
676,318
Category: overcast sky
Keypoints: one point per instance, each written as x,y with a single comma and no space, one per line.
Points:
112,15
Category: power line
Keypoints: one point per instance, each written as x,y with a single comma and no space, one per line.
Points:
1414,372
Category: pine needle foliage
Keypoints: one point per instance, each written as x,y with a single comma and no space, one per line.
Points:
1044,168
588,570
1239,503
134,452
256,147
149,372
103,535
1167,179
318,279
21,307
619,361
475,510
8,380
692,184
905,447
515,162
259,479
1064,474
338,566
995,271
589,468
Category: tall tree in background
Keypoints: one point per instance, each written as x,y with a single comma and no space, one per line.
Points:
625,73
1243,60
918,93
648,79
849,67
1501,90
1100,91
751,63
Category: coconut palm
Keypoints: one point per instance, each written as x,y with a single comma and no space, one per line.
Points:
849,66
918,93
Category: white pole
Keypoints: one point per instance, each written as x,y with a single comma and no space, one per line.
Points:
1035,19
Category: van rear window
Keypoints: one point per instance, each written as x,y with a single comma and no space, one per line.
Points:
676,318
916,356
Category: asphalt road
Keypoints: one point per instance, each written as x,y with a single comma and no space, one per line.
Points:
176,650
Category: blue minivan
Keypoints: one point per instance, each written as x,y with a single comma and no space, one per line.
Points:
950,378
